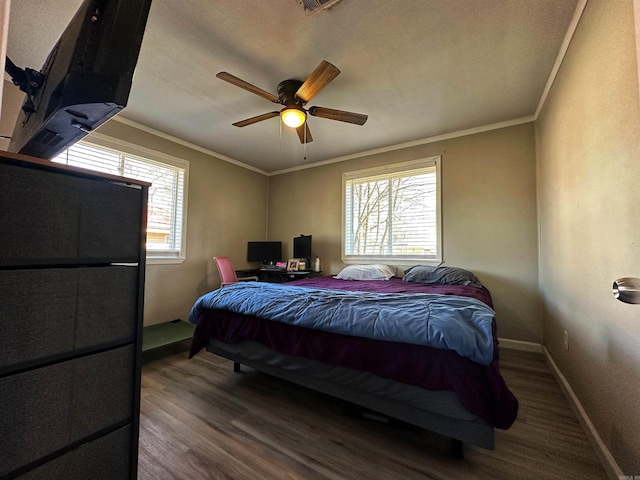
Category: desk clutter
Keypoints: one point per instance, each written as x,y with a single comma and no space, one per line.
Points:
273,269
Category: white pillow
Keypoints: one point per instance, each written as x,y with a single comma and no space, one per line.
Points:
366,272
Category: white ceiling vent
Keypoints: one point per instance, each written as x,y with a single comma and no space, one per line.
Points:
314,6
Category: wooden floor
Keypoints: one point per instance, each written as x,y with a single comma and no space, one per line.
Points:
199,420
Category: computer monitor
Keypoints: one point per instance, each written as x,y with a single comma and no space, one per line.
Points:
302,248
266,253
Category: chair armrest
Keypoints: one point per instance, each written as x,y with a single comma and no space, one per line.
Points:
244,279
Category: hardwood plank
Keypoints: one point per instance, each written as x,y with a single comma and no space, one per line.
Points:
200,420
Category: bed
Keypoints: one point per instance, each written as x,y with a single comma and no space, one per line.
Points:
423,352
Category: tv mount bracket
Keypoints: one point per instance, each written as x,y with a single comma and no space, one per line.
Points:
28,80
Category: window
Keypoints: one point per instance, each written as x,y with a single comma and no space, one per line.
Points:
392,213
166,208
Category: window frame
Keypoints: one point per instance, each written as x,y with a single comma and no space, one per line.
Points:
123,147
390,169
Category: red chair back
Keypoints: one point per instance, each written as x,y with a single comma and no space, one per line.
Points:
227,273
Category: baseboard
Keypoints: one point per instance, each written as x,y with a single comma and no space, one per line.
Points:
614,472
520,345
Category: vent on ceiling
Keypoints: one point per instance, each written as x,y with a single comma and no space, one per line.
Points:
314,6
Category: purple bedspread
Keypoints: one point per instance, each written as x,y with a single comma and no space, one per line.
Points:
481,388
396,285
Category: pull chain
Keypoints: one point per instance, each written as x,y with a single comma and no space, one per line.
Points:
304,147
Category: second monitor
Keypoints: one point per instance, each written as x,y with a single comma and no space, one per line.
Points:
302,249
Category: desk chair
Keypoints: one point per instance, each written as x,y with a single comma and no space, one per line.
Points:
227,273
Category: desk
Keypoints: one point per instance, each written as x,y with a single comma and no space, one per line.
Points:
279,276
276,275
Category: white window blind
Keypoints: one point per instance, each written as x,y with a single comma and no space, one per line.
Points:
165,216
392,213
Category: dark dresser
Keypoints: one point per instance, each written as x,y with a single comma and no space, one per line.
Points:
72,259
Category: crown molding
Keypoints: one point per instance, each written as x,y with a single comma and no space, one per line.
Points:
415,143
185,143
573,25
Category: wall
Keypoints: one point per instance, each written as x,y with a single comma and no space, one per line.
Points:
12,99
588,147
227,206
489,215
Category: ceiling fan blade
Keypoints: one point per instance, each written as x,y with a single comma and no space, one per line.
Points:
340,115
233,80
259,118
300,131
320,78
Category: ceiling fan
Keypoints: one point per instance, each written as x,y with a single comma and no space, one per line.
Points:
294,95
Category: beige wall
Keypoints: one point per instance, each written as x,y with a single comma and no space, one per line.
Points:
588,146
12,99
489,215
227,206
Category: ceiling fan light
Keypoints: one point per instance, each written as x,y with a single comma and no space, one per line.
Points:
293,117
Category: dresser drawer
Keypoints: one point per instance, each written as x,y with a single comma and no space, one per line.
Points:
51,218
48,409
49,313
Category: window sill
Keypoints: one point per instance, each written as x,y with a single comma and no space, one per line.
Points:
165,260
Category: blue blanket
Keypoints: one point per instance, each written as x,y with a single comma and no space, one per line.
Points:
441,321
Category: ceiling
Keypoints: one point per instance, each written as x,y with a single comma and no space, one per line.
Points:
418,68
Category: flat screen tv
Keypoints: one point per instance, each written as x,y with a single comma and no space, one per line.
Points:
266,253
85,80
302,247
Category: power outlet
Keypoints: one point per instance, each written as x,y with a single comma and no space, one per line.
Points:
566,340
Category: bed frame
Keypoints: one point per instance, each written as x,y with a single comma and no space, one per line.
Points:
437,411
